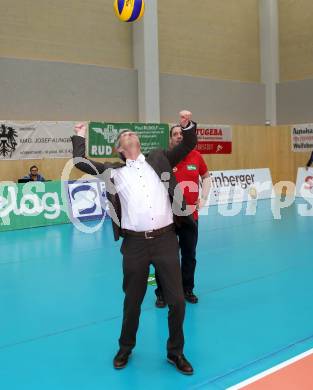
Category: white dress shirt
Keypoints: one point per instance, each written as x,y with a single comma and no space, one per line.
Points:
144,199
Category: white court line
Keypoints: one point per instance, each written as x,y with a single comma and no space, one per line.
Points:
270,370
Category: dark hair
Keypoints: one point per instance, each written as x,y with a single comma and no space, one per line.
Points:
172,128
32,167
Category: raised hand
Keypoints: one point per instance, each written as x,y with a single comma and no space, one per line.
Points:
81,129
184,118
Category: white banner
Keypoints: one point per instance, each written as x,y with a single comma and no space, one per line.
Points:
240,186
87,199
304,186
302,138
35,140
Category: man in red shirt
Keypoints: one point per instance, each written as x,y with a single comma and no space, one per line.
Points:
187,174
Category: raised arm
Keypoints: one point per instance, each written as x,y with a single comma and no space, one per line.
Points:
309,163
79,150
189,141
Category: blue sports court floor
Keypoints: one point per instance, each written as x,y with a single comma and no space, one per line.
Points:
61,306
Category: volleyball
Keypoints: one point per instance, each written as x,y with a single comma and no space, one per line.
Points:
129,10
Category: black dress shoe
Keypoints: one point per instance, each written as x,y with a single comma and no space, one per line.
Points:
181,363
190,296
160,302
121,359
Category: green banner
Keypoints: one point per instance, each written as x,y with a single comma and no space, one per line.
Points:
102,137
31,204
151,280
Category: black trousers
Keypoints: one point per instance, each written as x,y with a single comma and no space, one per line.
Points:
163,253
188,239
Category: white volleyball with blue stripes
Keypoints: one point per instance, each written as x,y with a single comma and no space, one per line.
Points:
129,10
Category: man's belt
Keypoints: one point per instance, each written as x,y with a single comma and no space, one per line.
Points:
149,233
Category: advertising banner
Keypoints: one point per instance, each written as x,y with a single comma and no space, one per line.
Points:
240,185
30,205
302,138
102,137
36,204
35,140
304,185
87,199
214,139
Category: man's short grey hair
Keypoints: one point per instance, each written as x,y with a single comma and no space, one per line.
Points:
118,140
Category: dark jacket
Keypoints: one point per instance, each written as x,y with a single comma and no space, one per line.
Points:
309,163
160,160
39,177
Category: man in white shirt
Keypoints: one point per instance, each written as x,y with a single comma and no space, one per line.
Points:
142,199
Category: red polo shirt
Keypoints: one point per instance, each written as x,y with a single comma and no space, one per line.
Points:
189,170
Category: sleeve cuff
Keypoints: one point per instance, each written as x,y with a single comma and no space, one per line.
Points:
189,127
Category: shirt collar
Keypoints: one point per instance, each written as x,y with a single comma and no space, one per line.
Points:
140,160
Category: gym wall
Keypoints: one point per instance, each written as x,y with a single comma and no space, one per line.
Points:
210,38
295,91
73,60
211,64
253,147
74,31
